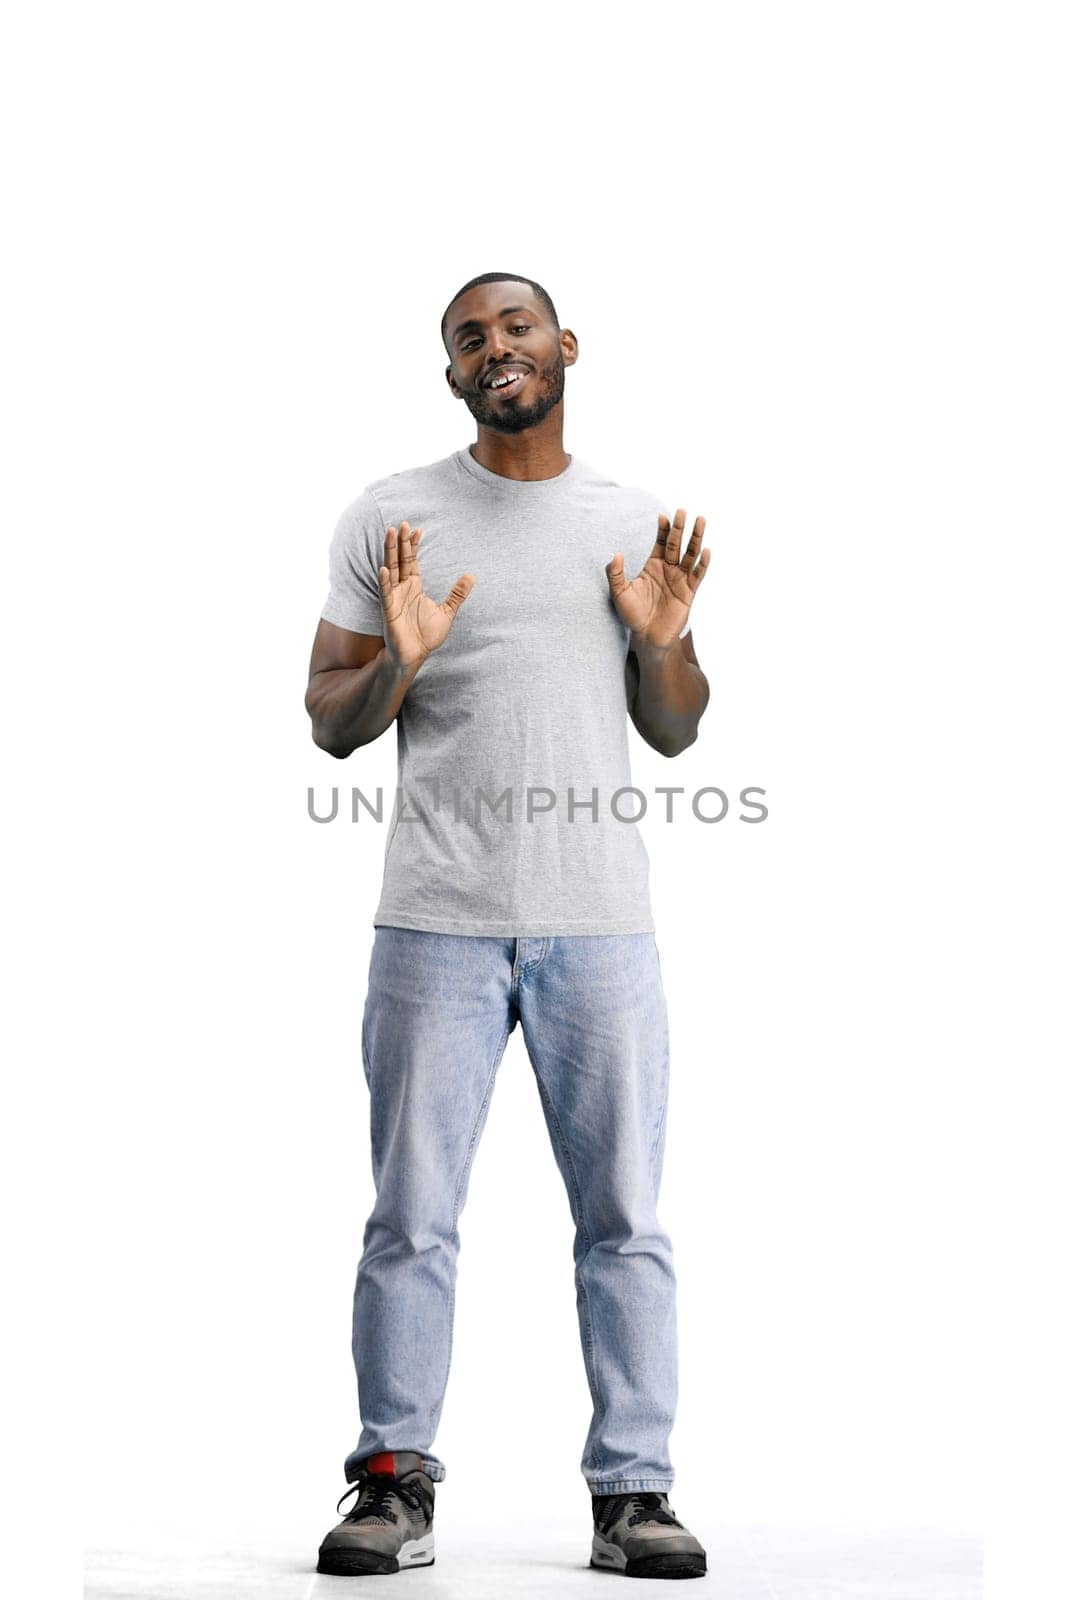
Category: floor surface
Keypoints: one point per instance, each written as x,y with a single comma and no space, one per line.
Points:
552,1560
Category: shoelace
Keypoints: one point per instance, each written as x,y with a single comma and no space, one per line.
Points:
376,1489
650,1507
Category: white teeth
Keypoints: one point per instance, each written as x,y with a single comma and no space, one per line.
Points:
504,378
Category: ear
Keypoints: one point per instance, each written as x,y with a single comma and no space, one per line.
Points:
451,384
568,344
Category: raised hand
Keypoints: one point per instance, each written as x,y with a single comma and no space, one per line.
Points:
414,624
655,604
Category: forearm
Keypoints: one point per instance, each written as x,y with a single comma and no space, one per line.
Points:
670,696
351,706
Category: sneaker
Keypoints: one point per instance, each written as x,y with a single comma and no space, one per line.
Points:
640,1536
390,1526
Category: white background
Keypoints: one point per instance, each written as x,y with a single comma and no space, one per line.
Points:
813,256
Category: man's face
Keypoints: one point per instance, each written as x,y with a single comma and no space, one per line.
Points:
498,329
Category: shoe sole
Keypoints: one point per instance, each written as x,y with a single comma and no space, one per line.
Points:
607,1557
351,1563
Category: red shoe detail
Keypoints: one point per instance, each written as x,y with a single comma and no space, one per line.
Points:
382,1463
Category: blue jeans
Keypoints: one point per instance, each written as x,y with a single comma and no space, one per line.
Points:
439,1010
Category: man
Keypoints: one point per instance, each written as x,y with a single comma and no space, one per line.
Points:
515,889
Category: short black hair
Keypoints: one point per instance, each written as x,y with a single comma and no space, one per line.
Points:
501,277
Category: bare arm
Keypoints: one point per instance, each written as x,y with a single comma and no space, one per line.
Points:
357,681
355,688
666,692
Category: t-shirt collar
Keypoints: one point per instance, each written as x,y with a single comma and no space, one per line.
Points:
467,462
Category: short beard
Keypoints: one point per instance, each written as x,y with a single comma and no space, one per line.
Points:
512,416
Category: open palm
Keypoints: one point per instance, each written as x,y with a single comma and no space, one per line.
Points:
656,603
414,624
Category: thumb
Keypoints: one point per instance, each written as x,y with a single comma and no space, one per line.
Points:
458,593
615,570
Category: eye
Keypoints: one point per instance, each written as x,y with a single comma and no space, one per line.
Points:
472,344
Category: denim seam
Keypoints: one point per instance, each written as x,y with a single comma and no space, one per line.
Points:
532,966
660,1119
598,1400
666,1075
520,972
363,1049
478,1121
631,1485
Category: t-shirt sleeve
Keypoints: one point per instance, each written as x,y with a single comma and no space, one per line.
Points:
356,552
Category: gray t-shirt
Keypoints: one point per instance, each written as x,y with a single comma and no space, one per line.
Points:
523,704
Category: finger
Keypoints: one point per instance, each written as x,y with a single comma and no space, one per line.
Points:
699,570
660,547
405,551
616,571
392,558
458,593
403,537
674,538
692,549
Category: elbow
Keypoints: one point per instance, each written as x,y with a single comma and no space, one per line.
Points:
326,739
682,741
332,747
663,742
665,745
338,748
673,744
674,747
322,734
339,752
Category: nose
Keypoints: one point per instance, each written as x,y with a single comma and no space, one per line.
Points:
497,348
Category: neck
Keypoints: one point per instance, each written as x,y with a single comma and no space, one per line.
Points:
534,453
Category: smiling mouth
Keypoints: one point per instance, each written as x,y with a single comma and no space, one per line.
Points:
513,381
